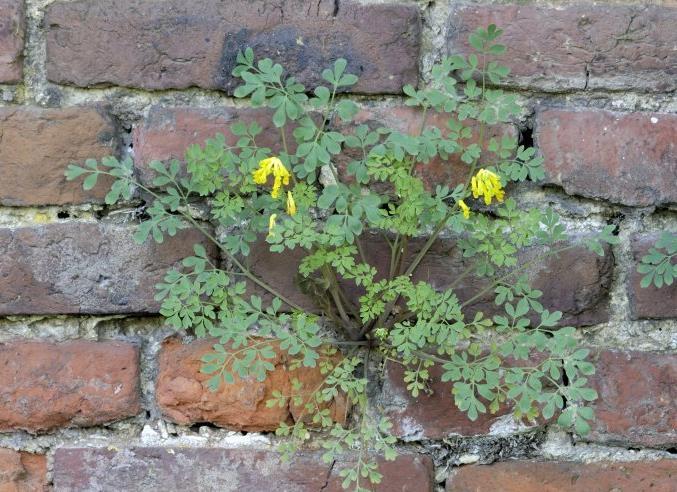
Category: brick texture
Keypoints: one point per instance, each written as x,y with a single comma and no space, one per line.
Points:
46,385
164,45
626,158
184,397
637,402
85,268
227,470
534,476
579,46
38,144
649,302
575,282
12,27
22,472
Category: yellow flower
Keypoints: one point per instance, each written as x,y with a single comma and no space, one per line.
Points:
274,166
271,225
487,184
464,209
291,204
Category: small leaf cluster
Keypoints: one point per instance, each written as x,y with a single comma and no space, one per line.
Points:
658,266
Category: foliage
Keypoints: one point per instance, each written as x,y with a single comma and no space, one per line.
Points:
657,266
370,188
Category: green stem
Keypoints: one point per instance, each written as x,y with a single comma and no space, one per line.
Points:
523,267
209,236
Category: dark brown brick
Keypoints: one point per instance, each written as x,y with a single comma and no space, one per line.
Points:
155,44
575,281
168,132
184,397
228,470
626,158
651,301
579,46
537,476
38,144
85,268
637,402
47,385
12,27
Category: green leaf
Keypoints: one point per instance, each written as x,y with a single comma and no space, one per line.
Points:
90,181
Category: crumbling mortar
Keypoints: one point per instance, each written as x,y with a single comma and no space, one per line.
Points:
621,330
15,217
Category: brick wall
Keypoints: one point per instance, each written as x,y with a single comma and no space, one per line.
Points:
96,394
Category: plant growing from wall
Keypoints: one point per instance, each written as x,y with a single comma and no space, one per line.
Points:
369,188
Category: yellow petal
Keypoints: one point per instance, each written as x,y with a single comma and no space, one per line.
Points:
270,163
475,188
271,225
277,184
260,176
464,209
291,204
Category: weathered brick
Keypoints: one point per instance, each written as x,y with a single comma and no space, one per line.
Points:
38,144
168,132
22,472
627,158
575,281
579,46
649,302
227,470
538,476
85,268
161,45
12,26
431,415
184,397
637,402
47,385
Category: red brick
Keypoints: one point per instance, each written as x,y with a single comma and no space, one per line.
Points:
651,301
626,158
637,402
174,45
184,397
46,385
246,470
22,472
579,46
12,27
85,268
168,132
38,144
575,282
429,416
535,476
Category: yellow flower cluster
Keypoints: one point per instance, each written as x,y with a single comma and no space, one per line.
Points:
281,175
274,166
487,184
